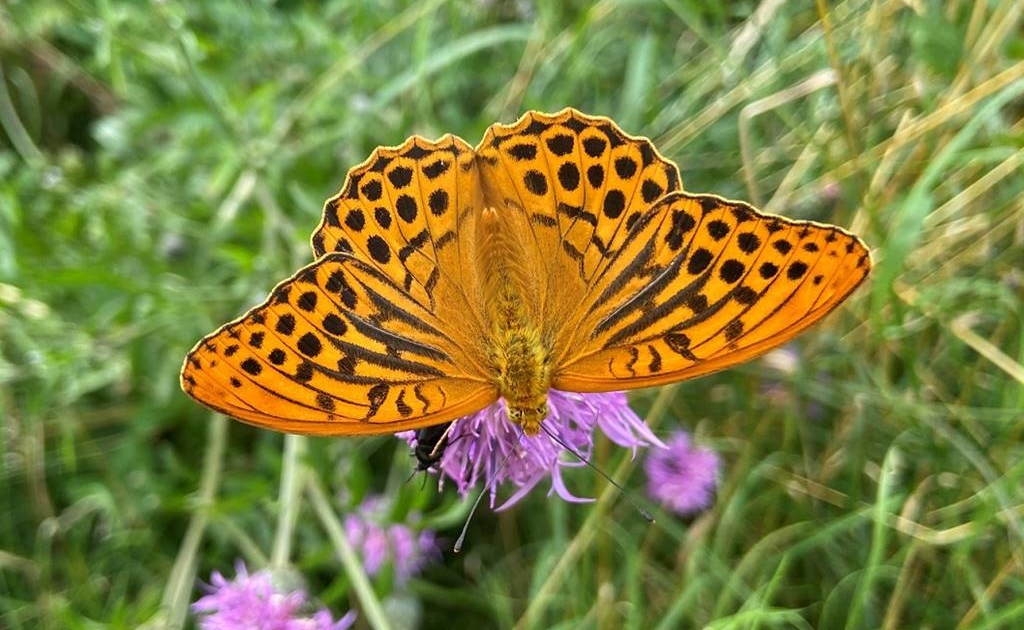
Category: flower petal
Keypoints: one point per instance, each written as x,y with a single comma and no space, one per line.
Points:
487,449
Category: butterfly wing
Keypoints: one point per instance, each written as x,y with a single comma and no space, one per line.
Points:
569,186
702,284
641,283
384,331
411,211
338,349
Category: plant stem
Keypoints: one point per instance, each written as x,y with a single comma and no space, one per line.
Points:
174,604
557,575
360,582
289,500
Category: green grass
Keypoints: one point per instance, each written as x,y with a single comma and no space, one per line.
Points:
162,167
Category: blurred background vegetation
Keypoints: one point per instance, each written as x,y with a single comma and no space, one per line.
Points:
162,165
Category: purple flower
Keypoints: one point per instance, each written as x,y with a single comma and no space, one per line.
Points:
255,601
380,542
486,447
681,477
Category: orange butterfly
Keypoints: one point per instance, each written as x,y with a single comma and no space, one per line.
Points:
560,253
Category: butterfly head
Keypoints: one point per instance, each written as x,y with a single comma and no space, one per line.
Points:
529,416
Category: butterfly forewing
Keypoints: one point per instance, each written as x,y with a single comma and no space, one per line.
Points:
411,212
569,186
703,284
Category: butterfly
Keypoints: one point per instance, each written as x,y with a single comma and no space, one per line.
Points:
560,253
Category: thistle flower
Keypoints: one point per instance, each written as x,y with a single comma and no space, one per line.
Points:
379,542
255,601
682,477
487,447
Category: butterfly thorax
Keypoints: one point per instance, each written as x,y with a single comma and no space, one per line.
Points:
520,354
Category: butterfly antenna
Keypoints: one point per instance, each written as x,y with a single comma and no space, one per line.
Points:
465,526
644,513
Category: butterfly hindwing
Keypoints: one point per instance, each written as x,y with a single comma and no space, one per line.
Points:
702,284
338,349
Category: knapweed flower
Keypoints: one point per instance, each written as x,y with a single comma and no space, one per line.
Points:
682,477
255,601
486,447
379,542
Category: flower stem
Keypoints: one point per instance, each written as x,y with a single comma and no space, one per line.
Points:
174,604
585,537
288,499
360,582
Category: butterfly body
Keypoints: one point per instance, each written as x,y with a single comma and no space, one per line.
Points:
519,351
559,253
523,373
